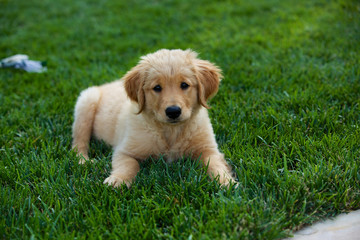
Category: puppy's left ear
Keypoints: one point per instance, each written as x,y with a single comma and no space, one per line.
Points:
133,83
209,77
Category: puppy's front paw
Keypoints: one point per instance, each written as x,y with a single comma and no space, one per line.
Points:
83,157
228,183
116,181
228,180
84,160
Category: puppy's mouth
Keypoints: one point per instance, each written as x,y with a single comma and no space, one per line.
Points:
173,121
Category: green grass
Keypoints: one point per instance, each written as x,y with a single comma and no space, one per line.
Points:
287,116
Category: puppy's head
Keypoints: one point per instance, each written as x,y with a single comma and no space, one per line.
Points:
171,85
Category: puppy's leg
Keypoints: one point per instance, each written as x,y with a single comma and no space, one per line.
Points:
85,110
217,167
124,170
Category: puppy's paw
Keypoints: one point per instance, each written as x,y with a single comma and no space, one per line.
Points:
84,160
228,181
116,181
232,184
83,157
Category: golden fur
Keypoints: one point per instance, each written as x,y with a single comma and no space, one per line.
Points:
131,115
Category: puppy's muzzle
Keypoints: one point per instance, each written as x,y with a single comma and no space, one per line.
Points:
173,112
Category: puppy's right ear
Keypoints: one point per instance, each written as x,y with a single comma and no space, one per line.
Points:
133,83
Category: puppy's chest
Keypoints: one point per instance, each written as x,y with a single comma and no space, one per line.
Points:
173,147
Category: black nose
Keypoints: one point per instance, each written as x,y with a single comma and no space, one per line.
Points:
173,112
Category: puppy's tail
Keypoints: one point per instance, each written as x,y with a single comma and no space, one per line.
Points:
85,110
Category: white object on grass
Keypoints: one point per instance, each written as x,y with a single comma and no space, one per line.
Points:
21,61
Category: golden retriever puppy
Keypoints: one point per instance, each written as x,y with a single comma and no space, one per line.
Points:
157,109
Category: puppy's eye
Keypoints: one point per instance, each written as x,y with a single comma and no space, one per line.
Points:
184,85
157,88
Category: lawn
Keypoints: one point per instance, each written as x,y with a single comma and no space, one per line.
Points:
287,117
